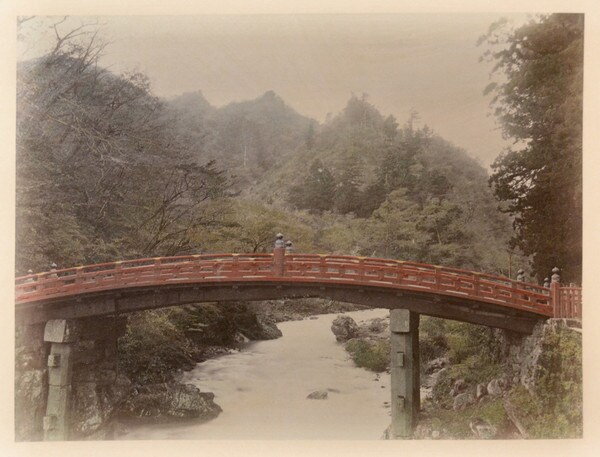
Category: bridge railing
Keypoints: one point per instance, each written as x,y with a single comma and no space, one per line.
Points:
419,277
569,304
300,268
140,272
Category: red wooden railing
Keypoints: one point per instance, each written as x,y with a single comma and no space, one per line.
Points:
569,303
299,268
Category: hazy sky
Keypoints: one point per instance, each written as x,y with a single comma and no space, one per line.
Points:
314,62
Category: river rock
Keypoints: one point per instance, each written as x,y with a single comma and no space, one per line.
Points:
461,401
482,429
436,364
496,387
481,391
164,402
344,328
318,395
240,339
460,385
96,393
377,325
422,432
269,330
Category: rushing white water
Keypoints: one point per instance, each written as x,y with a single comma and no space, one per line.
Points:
263,388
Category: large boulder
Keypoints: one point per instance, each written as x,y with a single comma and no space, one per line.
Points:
96,395
461,401
268,328
482,429
377,325
497,387
481,391
167,402
436,364
344,328
318,395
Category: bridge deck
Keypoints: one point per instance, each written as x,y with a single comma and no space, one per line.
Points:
303,268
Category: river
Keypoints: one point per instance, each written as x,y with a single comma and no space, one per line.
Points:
263,388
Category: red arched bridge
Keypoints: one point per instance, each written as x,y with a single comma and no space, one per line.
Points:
133,285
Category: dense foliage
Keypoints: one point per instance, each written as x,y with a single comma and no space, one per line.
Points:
539,104
372,355
100,173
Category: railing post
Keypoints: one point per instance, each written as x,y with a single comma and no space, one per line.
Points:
157,269
322,266
476,283
278,255
235,267
555,292
118,271
438,278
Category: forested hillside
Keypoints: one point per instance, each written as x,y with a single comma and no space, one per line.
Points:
106,170
359,183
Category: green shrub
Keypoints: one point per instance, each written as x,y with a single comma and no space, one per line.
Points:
456,424
433,342
153,347
467,340
374,356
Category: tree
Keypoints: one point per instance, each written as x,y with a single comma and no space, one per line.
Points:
100,173
539,105
348,195
393,230
316,192
250,226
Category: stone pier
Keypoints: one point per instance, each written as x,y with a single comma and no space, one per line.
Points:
62,334
68,382
405,379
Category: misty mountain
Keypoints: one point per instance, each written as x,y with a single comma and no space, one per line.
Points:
246,138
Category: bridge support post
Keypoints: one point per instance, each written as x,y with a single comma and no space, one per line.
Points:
62,334
405,379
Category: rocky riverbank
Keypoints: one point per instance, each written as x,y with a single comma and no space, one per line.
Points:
176,340
301,308
128,367
479,383
157,346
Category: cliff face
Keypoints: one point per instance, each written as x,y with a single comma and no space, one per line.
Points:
31,385
547,398
531,389
479,383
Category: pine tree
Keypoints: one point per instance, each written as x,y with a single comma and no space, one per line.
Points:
540,107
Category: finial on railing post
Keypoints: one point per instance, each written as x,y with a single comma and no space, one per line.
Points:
52,274
29,273
521,275
288,247
555,292
279,240
278,255
546,282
